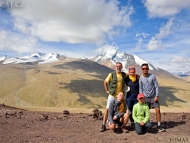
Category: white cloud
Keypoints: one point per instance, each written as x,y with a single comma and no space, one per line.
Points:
179,59
144,35
165,8
166,29
107,48
14,42
155,44
139,43
140,38
72,21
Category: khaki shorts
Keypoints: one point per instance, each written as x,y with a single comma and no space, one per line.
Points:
110,98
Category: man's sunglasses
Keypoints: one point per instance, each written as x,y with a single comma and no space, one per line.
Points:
144,68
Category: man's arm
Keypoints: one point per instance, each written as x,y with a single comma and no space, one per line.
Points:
106,82
156,85
155,82
119,115
106,86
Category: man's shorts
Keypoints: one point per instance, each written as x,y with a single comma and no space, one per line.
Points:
151,103
110,98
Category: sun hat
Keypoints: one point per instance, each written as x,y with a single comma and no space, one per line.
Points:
140,95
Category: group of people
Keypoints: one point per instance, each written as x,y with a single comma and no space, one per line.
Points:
143,95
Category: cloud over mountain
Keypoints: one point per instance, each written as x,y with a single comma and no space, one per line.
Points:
71,21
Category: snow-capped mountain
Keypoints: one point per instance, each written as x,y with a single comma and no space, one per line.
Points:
187,73
40,58
84,58
110,58
182,74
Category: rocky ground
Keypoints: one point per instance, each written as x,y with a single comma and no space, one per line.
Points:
21,126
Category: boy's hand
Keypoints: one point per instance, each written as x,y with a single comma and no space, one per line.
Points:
141,123
114,118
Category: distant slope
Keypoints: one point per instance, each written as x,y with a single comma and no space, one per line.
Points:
68,83
12,78
186,78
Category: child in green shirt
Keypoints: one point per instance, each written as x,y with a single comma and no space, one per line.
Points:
141,115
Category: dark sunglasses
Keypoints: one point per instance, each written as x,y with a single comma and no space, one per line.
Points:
144,68
131,68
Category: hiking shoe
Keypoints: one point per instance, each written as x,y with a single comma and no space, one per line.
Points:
132,126
118,125
124,129
103,128
160,129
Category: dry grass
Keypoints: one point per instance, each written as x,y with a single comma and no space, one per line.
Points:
73,84
55,85
174,93
187,78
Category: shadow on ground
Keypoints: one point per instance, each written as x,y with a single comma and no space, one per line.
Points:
84,88
93,87
86,66
167,96
86,102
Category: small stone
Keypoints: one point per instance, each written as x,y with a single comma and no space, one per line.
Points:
66,112
43,117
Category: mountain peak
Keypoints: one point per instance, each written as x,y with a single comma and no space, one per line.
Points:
3,58
127,59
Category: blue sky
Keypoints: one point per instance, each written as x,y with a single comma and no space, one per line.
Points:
157,31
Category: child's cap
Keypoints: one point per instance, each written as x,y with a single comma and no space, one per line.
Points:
140,95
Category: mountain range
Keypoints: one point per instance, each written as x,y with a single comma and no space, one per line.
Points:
40,58
107,59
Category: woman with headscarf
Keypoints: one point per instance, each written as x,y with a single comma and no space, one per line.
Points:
132,81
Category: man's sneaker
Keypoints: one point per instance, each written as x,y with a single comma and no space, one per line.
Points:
103,128
160,129
124,129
